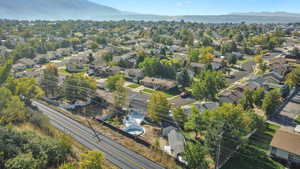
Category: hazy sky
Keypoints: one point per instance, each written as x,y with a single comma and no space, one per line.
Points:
202,7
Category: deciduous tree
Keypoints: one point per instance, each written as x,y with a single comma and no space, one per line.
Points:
79,87
208,84
27,89
5,70
183,78
258,96
197,156
23,161
49,81
293,78
121,94
158,107
68,166
179,116
111,82
91,160
247,100
271,102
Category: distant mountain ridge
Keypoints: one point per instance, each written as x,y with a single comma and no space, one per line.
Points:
86,10
55,9
272,14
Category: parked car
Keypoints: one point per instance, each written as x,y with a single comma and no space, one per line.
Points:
185,94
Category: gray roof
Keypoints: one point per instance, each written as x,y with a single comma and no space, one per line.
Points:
197,65
210,105
176,142
167,130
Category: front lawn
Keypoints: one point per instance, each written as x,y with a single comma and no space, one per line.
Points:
254,154
245,59
297,120
150,91
63,71
29,70
134,86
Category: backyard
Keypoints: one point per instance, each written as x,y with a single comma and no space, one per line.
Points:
254,154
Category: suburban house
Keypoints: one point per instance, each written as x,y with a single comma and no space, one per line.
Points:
176,143
201,106
250,85
4,51
156,83
35,74
233,96
105,71
23,64
271,77
134,75
127,56
230,96
279,65
63,52
286,146
75,65
197,67
238,55
167,130
217,63
270,80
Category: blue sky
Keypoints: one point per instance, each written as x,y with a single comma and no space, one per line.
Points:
201,7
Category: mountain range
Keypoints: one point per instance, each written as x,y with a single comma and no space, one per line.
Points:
86,10
55,9
273,14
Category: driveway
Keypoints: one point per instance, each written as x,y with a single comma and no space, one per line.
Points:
290,111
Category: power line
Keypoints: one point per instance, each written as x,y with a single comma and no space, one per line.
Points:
90,95
161,116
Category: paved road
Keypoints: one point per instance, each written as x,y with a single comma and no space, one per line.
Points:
114,152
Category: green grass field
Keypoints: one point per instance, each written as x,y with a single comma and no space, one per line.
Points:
134,86
254,154
297,120
244,60
149,91
29,70
63,71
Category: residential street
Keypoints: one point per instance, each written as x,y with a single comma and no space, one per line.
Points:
114,152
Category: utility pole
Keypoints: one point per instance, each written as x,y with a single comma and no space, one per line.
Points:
90,125
217,163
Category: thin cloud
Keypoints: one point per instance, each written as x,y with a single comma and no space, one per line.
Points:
183,3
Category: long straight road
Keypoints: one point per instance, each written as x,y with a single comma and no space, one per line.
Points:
114,152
